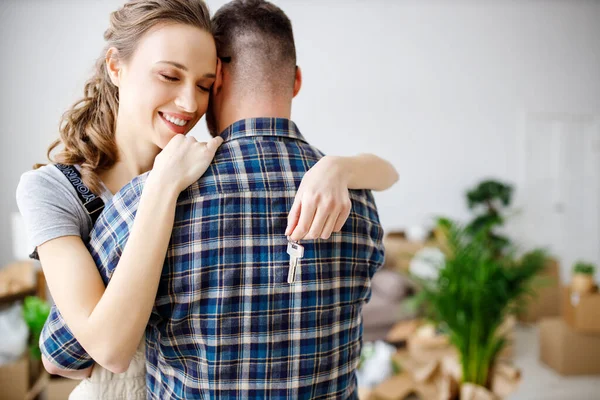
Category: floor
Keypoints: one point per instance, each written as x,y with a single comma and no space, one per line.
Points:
542,383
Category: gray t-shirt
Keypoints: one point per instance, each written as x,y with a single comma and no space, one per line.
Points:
50,206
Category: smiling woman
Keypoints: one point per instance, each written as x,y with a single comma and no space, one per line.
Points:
168,77
150,88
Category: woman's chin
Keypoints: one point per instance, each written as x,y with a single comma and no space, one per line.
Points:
165,139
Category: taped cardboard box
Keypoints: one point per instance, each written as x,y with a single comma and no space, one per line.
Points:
567,351
547,301
581,311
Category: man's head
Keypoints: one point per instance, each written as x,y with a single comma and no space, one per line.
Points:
257,54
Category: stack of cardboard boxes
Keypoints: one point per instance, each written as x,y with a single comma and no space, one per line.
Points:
428,367
21,378
546,303
570,344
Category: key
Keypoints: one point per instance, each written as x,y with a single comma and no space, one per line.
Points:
296,252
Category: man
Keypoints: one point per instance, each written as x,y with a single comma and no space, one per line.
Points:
227,324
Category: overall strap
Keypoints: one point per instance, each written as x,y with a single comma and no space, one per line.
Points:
93,204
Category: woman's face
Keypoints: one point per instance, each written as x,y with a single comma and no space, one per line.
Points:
164,88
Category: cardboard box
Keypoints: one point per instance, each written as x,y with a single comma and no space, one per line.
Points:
547,301
51,387
397,387
17,280
581,311
399,250
60,388
364,394
566,351
402,330
440,379
14,379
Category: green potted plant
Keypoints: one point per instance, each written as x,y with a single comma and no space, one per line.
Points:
473,294
582,280
35,313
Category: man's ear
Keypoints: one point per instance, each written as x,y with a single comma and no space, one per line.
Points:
113,66
297,81
216,87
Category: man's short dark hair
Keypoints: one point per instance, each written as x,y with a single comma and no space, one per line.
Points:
255,39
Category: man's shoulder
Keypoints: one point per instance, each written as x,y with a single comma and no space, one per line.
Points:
268,146
121,207
257,164
131,192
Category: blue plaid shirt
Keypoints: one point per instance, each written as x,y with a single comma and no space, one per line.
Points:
226,324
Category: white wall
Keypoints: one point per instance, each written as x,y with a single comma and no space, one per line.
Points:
437,87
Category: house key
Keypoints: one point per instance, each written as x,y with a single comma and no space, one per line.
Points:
296,252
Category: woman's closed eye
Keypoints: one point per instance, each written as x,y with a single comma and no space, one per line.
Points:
175,79
169,78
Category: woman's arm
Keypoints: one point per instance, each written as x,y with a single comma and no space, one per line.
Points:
109,322
322,204
365,171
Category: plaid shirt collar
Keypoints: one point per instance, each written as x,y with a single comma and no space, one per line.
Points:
265,126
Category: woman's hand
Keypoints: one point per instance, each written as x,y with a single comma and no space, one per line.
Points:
183,161
322,204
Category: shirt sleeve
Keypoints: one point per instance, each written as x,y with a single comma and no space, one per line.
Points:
48,209
373,230
112,229
60,347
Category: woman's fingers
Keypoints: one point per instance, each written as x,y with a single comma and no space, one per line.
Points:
314,217
329,225
343,217
307,214
318,223
293,216
213,144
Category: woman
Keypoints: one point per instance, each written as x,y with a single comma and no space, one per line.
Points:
128,123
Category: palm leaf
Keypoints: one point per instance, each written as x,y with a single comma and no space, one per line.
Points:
474,293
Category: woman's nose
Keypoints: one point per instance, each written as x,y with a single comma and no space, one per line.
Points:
186,100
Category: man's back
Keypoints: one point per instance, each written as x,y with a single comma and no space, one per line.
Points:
226,323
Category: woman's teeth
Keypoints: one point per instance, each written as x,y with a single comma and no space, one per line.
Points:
176,121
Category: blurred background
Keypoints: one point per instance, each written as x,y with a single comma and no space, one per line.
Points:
453,93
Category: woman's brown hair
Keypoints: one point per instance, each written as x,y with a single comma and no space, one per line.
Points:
87,129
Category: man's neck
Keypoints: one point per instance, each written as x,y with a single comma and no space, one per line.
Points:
254,108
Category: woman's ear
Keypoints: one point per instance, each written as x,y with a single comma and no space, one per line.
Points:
113,67
297,81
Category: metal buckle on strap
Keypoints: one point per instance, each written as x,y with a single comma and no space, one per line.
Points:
98,206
